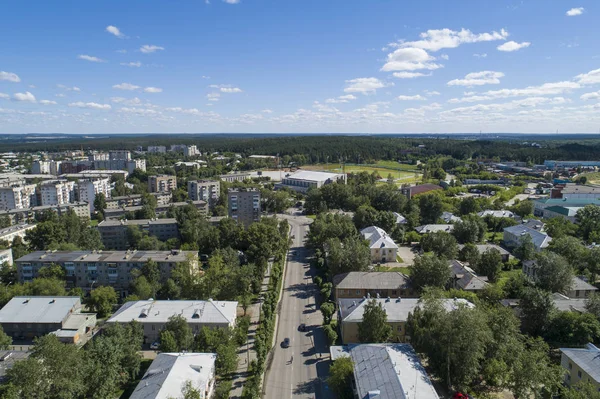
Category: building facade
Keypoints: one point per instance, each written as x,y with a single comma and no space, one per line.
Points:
57,192
18,197
304,180
363,284
81,209
136,199
134,164
205,190
162,183
117,213
581,365
88,189
114,232
157,149
231,177
244,205
383,248
190,151
10,233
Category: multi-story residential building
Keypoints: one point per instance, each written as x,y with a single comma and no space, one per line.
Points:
244,205
190,151
197,368
114,232
386,371
177,147
87,268
76,166
121,155
202,207
162,183
18,197
363,284
305,179
96,174
157,149
383,248
98,156
40,167
136,199
8,234
153,315
81,209
581,365
351,311
205,190
89,188
34,316
231,177
134,164
57,192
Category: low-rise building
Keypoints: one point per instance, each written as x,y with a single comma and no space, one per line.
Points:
303,180
136,200
419,189
386,371
205,190
383,248
581,365
9,233
87,268
464,278
566,212
449,217
114,232
153,315
34,316
162,183
494,182
513,237
351,311
433,228
496,214
231,177
169,372
482,248
363,284
578,288
541,204
244,205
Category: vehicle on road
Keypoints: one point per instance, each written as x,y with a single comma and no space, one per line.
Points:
302,327
285,343
155,345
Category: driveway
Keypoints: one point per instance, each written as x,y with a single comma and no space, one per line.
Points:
407,255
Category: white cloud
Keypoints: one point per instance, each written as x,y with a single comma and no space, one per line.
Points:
416,97
230,90
153,90
150,48
213,96
482,55
574,12
139,111
513,46
232,1
437,39
11,77
445,57
409,59
591,96
478,79
126,86
25,97
47,102
81,104
267,111
115,31
409,75
59,95
136,64
545,89
432,93
341,99
4,95
66,88
364,85
90,58
126,101
512,105
590,78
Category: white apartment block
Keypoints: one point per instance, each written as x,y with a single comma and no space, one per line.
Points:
40,167
57,192
88,189
190,151
136,164
205,190
120,155
20,197
157,149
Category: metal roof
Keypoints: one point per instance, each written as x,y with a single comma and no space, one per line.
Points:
588,359
107,256
370,280
432,228
311,175
539,239
136,222
378,238
38,309
197,312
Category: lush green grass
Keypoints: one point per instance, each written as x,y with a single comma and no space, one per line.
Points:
592,177
400,172
93,223
505,275
404,270
313,217
396,165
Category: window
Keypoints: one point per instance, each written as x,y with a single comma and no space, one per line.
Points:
570,366
399,328
357,292
579,374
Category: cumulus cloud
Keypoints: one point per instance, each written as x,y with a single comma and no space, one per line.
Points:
513,46
213,96
4,95
150,48
589,78
341,99
66,88
545,89
126,101
81,104
573,12
480,55
409,59
126,86
115,31
24,97
445,57
9,76
153,90
90,58
437,39
591,96
409,75
478,79
416,97
364,85
432,93
136,64
47,102
230,90
267,111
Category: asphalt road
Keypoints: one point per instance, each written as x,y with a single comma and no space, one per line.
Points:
304,376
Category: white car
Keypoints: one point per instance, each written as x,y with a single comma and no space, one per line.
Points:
154,345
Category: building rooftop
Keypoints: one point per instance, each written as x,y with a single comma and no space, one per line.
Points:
370,280
539,239
387,371
203,312
481,248
15,228
566,304
566,201
588,359
496,214
169,372
397,309
311,175
38,309
564,210
107,256
378,238
432,228
449,217
136,222
581,285
422,188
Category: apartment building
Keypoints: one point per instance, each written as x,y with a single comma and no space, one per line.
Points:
136,199
46,167
8,234
581,365
6,257
57,192
157,149
87,268
231,177
114,232
363,284
81,209
202,207
98,156
18,197
134,164
190,151
205,190
162,183
383,248
244,205
88,189
122,155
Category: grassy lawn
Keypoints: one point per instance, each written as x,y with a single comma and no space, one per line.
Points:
401,173
493,237
93,223
404,270
125,393
592,177
313,217
505,275
396,165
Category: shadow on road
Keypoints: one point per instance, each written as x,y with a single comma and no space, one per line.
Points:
299,291
306,387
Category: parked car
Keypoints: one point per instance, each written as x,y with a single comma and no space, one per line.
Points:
155,345
285,343
302,327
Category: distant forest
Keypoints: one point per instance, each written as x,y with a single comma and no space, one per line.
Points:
333,148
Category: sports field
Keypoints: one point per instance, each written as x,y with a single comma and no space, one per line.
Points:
399,172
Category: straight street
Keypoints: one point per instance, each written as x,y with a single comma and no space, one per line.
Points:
298,371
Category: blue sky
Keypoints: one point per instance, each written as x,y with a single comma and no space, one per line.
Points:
300,66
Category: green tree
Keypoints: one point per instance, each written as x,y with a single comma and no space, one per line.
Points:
581,391
592,304
5,340
102,300
490,264
554,273
374,328
523,208
327,309
572,250
52,271
469,205
100,203
168,342
588,219
429,271
525,250
469,253
330,333
4,222
441,243
471,229
341,373
536,311
182,332
431,207
141,288
568,329
226,358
